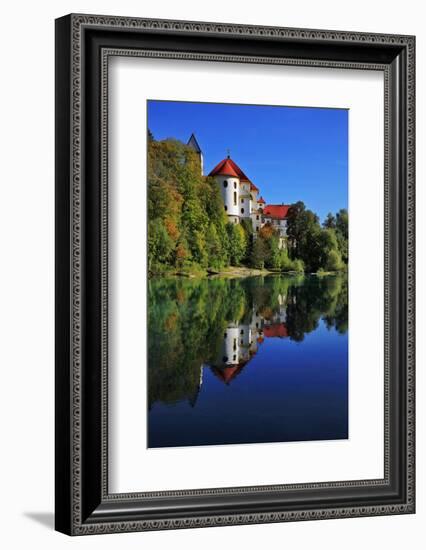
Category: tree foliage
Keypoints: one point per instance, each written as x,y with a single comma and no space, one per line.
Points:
320,248
187,223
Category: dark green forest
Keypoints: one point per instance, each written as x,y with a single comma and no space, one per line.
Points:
188,227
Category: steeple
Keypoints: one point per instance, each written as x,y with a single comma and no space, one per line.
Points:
193,143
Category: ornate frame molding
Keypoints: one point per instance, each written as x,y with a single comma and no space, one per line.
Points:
72,46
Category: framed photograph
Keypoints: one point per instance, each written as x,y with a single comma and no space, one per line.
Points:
234,274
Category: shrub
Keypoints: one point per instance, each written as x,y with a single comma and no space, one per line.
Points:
334,261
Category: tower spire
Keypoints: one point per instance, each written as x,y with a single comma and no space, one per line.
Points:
228,153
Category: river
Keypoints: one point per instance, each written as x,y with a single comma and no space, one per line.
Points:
248,360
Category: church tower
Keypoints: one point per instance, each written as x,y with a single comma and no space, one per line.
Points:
234,186
193,143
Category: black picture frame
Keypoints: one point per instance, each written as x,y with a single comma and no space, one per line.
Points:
83,45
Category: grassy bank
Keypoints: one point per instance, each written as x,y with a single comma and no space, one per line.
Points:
193,272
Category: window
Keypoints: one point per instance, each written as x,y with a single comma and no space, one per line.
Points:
225,183
257,217
242,210
235,184
235,197
235,221
226,208
242,332
257,228
242,201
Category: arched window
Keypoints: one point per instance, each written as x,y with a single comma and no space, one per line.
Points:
225,183
242,210
226,208
235,197
235,184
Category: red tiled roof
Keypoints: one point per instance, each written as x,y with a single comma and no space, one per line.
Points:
273,331
253,187
261,200
227,167
276,211
228,373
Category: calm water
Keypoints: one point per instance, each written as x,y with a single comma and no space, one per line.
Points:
261,359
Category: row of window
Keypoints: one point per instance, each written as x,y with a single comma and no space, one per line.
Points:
241,332
225,184
242,210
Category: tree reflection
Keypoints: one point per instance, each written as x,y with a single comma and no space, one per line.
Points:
220,324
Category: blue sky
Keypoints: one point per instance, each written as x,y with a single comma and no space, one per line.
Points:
290,153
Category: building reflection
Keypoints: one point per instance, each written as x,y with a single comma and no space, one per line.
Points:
221,324
241,340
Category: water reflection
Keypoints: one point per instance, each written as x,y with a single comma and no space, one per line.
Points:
242,339
203,332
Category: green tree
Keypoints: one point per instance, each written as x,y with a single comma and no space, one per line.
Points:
237,243
247,226
342,232
334,261
259,253
330,221
160,245
302,226
342,222
213,247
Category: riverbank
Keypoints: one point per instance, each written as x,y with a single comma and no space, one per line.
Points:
233,272
230,272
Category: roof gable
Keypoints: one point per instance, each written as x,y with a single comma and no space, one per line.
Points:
275,331
227,167
276,211
192,142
